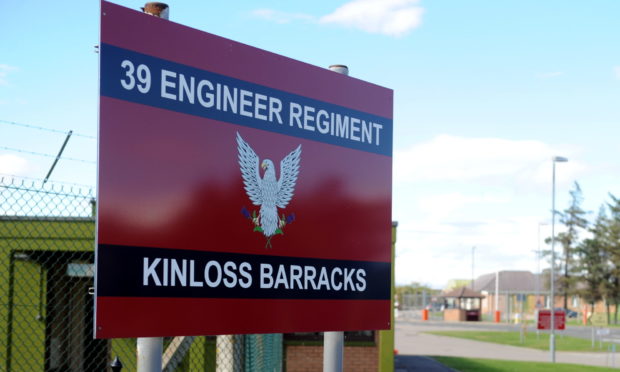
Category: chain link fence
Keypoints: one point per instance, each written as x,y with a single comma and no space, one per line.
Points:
46,295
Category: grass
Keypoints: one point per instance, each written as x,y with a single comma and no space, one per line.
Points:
541,342
488,365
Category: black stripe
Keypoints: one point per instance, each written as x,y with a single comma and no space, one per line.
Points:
120,273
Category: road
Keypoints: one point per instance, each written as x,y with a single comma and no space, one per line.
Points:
573,331
411,339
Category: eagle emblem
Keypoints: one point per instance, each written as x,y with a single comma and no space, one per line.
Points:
268,192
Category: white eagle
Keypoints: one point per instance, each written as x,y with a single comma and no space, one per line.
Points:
268,192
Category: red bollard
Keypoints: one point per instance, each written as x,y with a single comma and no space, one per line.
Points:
585,315
498,316
424,314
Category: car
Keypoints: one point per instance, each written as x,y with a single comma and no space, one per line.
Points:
569,313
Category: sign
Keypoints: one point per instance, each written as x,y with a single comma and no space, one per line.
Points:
603,332
598,319
239,191
544,319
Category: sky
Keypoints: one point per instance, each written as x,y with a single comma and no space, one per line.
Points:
485,94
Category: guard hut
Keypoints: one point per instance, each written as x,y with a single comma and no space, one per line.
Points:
462,304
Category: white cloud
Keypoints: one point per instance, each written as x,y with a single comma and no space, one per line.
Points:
438,252
4,72
387,17
447,158
452,193
616,71
281,17
13,165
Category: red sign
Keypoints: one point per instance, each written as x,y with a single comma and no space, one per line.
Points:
544,319
239,191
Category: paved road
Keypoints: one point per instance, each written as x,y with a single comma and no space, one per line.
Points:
573,331
411,340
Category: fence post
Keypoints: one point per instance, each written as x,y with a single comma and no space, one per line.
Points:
116,365
9,318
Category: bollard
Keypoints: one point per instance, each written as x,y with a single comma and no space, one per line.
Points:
498,316
424,314
585,316
116,365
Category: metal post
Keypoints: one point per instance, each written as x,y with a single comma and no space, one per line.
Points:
150,349
62,148
496,296
333,346
552,279
9,318
333,342
116,365
473,250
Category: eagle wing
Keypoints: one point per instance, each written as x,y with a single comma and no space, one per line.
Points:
248,163
289,170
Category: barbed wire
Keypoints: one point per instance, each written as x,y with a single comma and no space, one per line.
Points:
45,155
5,177
57,131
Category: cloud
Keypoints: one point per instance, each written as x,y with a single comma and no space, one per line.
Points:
281,17
452,193
616,71
13,165
4,73
450,158
387,17
443,253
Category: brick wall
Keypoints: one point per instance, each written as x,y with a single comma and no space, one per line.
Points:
310,358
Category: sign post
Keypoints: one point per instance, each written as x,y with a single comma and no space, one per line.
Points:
231,178
598,320
150,349
333,342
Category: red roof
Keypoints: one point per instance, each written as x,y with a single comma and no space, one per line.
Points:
463,292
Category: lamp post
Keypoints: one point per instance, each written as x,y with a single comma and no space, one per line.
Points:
473,250
555,159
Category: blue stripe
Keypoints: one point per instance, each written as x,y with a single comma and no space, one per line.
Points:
112,74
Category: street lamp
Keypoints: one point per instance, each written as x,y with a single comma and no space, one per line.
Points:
555,159
473,249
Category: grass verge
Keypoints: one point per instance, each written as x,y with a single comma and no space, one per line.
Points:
531,340
489,365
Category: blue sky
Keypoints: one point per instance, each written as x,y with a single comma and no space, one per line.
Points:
485,93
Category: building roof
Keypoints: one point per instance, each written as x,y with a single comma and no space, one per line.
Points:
511,281
463,292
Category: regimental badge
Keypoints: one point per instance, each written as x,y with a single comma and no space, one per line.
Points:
268,192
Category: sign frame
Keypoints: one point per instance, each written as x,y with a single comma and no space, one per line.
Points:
188,239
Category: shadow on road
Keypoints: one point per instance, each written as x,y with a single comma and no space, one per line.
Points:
409,363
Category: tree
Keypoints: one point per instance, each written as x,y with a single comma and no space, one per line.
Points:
414,294
613,249
593,262
574,219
